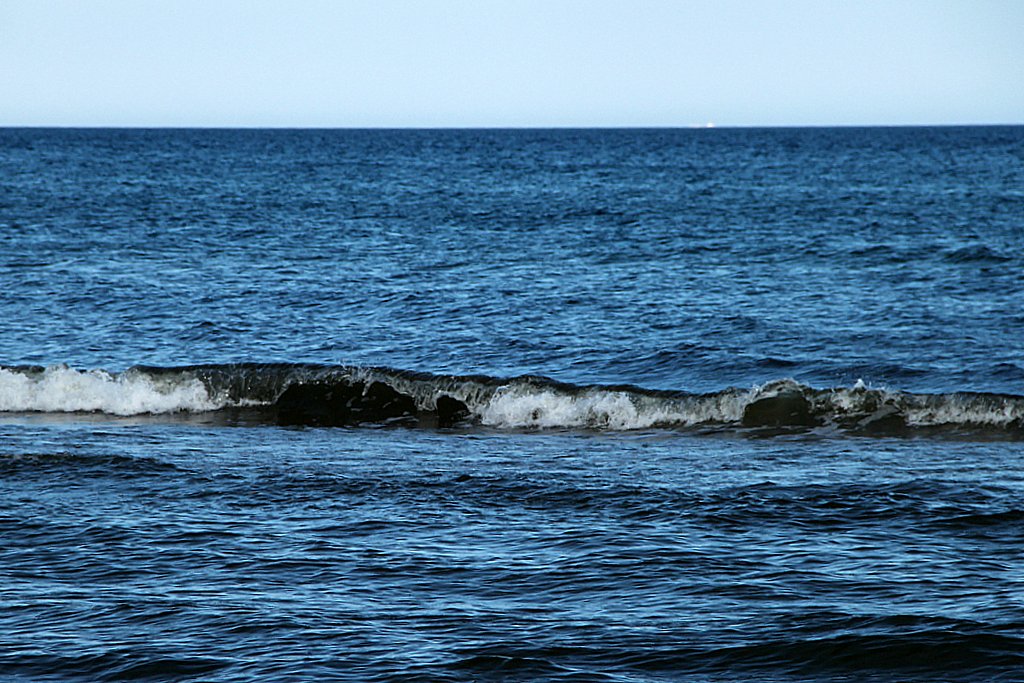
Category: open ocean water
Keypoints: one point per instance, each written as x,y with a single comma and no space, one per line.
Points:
512,405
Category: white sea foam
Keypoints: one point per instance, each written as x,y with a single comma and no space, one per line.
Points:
530,407
60,389
547,408
969,410
922,410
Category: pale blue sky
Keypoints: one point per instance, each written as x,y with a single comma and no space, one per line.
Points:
515,63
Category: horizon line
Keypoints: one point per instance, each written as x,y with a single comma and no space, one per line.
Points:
692,126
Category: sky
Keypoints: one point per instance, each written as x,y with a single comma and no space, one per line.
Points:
518,63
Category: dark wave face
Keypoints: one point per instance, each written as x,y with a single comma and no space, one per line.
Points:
318,395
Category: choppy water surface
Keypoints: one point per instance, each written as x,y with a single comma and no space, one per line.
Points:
712,405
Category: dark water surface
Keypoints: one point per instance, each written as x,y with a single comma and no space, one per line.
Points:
651,405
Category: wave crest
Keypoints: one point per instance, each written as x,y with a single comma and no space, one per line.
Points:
334,395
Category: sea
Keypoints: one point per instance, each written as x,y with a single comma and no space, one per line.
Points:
623,405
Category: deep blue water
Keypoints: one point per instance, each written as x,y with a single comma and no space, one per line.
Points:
571,405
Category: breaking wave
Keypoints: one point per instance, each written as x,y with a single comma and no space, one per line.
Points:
60,389
328,395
